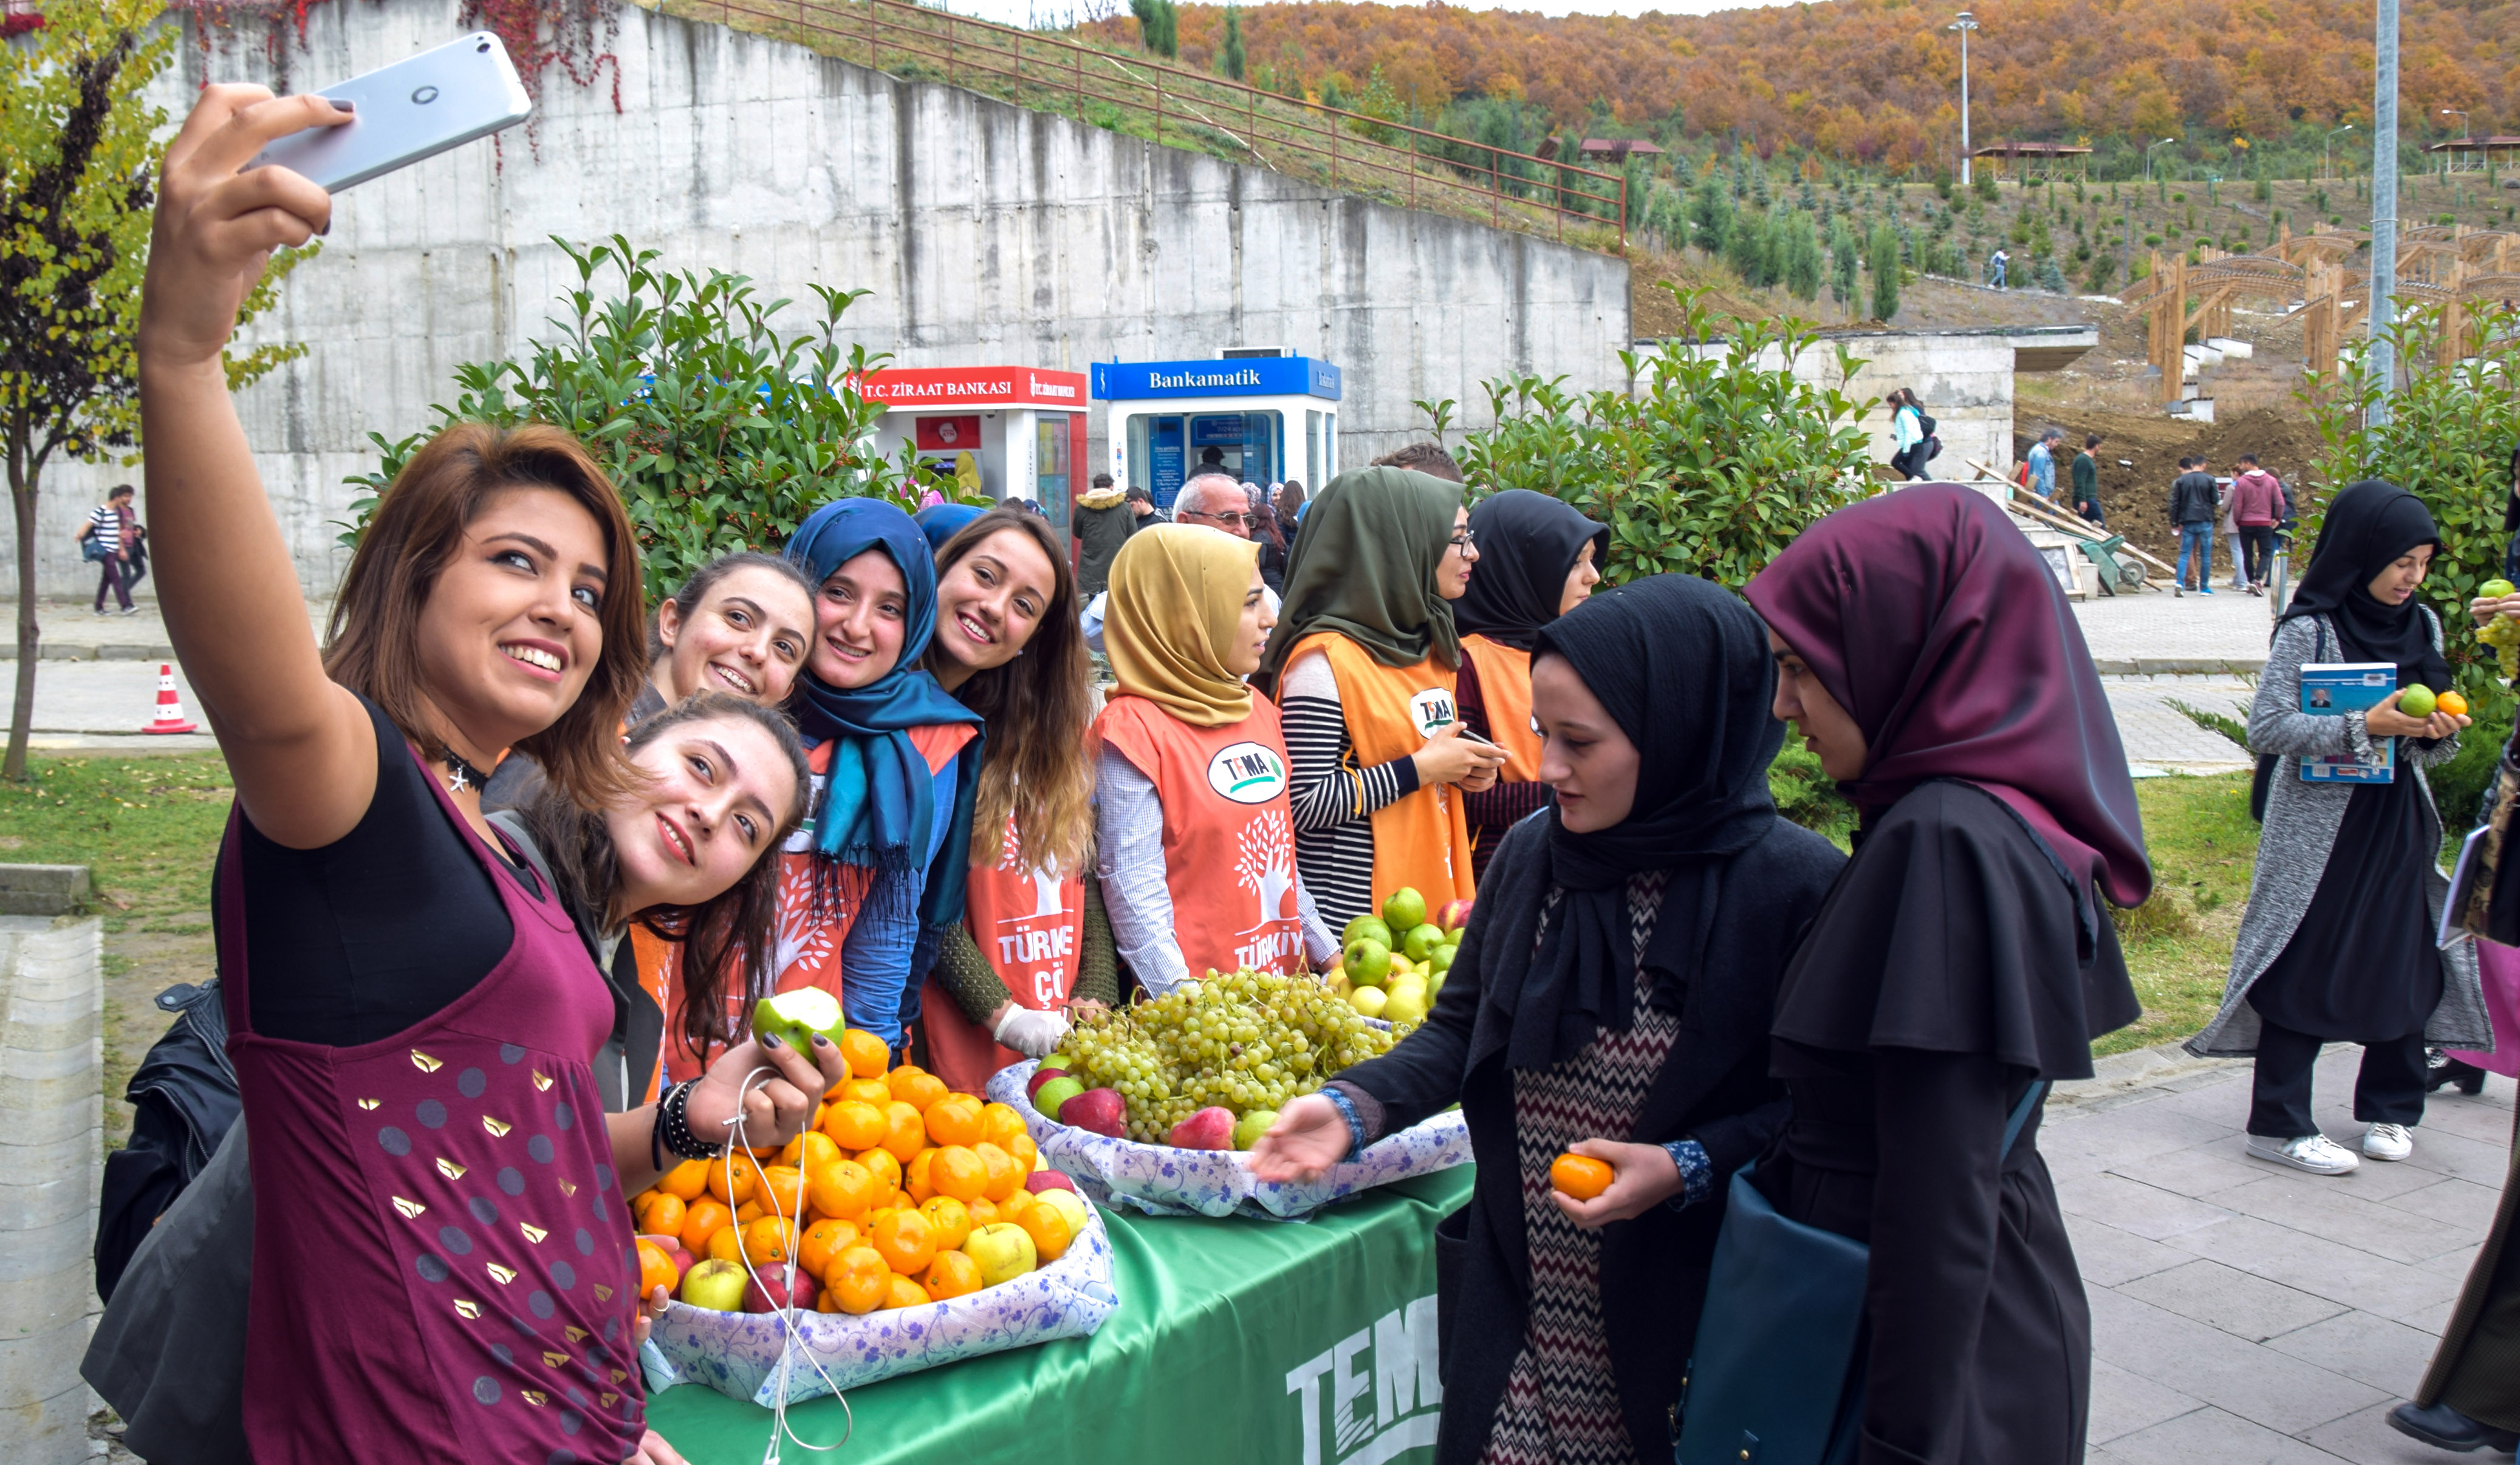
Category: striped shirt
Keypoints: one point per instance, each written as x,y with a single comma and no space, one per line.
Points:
106,522
1333,799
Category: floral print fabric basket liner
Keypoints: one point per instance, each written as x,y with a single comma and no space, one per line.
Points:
739,1353
1161,1181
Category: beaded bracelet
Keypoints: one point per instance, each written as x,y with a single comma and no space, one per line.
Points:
673,1131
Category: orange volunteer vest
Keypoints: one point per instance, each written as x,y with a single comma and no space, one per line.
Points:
1030,926
1422,840
1228,831
1505,688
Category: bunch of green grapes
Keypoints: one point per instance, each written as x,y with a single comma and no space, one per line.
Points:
1241,1041
2503,632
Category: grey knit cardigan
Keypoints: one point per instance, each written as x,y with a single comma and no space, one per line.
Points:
2302,820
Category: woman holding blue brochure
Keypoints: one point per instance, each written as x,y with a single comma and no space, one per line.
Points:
2338,943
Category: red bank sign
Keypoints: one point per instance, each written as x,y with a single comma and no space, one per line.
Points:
975,386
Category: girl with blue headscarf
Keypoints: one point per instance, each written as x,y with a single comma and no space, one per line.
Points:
880,858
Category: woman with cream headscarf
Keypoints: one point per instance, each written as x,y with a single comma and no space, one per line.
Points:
1195,838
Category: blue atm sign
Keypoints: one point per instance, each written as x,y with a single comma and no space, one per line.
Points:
1242,376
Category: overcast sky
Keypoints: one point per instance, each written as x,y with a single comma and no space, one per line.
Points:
1026,12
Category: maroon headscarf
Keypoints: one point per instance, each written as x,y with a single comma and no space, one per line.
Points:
1933,622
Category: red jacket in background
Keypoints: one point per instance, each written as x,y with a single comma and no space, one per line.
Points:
2257,500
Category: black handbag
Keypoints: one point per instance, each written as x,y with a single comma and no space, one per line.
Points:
1774,1379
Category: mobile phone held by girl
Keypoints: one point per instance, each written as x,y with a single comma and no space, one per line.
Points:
440,99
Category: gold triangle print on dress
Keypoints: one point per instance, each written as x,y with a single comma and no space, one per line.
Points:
466,1309
533,1233
410,1208
574,1333
450,1170
567,1189
369,1103
603,1294
423,1062
502,1275
535,1397
553,1358
498,1128
607,1399
542,1081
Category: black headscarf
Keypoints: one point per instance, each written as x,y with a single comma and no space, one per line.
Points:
1681,666
2369,527
2510,497
1527,543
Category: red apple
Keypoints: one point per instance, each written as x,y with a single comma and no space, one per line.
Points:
1100,1110
1041,1076
1048,1179
771,1294
1455,916
1210,1129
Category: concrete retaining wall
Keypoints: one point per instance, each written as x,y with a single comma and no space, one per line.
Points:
52,1116
988,234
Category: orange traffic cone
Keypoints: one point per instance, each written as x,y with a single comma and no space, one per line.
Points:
170,709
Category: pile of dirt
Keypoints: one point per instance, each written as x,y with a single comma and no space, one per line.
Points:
2140,453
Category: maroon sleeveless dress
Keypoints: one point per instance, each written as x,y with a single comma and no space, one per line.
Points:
443,1265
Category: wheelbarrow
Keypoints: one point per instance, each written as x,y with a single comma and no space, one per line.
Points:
2115,573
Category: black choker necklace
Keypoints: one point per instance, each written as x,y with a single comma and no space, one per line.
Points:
461,775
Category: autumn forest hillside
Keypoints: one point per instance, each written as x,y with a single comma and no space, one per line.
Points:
1876,82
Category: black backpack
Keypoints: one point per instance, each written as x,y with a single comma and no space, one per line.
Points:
183,1100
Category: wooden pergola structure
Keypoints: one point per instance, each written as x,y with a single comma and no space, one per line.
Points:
2476,154
2028,161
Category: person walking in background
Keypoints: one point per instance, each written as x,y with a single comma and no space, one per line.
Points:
1143,512
107,539
1265,533
2195,496
1907,433
1423,457
2043,462
1290,509
2231,533
1962,961
2087,482
1995,266
1104,521
2257,506
2337,941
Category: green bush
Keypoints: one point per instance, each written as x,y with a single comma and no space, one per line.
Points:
1711,469
1808,797
720,433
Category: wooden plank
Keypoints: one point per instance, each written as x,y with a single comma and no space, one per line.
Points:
2032,509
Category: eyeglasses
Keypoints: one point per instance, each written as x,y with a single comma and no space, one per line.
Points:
1462,539
1230,520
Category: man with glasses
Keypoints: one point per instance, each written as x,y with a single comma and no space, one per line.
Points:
1215,501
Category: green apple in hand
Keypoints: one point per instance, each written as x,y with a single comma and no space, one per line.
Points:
1250,1127
795,1017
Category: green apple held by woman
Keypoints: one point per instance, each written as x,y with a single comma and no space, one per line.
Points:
2407,714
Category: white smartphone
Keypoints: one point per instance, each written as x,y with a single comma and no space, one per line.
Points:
442,98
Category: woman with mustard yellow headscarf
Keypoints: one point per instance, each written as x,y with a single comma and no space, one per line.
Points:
1366,661
1195,840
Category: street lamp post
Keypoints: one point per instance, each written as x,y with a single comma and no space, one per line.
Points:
2453,111
2325,169
1965,24
2148,156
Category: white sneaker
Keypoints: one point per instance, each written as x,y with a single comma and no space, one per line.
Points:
2316,1153
2386,1141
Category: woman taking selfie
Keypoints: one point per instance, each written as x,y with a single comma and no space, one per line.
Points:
1362,664
894,771
407,1005
1962,959
1033,936
1538,559
1611,997
2337,942
1195,850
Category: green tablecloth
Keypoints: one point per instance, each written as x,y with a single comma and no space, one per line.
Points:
1310,1343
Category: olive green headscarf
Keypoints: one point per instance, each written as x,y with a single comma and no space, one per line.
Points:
1364,566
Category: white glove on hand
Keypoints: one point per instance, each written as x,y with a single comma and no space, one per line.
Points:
1031,1034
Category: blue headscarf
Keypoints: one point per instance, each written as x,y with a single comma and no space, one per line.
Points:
878,802
942,521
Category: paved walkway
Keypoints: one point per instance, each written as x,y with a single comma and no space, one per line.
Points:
2149,626
2245,1313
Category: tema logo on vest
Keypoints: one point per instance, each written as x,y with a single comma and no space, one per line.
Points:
1378,1390
1430,710
1246,773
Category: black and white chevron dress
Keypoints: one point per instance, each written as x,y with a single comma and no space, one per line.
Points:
1562,1404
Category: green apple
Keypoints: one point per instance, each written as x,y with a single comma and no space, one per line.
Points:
1367,927
795,1017
1049,1096
716,1284
1440,959
1003,1250
1250,1127
2493,590
2417,700
1406,1006
1367,1001
1405,908
1060,1061
1369,963
1069,1204
1422,940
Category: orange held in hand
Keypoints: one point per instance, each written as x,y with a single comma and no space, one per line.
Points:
1580,1176
655,1269
2451,702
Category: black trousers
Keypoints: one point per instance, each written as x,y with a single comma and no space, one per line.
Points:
2258,543
2390,1089
115,581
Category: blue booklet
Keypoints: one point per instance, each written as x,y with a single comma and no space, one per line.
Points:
2334,688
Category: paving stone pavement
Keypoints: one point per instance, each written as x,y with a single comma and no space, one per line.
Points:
2246,1312
2146,625
2157,734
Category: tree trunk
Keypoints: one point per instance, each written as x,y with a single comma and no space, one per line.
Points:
22,470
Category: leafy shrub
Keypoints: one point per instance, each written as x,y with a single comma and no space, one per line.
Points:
720,433
1721,458
1808,797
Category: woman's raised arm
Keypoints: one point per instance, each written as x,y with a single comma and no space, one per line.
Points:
300,748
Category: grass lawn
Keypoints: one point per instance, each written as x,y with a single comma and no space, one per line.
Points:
149,830
2178,943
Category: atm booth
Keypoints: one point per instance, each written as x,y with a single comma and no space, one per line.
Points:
1022,429
1261,418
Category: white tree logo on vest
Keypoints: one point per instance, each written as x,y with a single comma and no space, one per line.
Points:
1248,772
1046,897
1267,866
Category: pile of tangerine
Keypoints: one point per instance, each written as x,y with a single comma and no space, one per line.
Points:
893,1175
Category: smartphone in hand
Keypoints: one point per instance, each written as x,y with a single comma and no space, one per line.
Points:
442,98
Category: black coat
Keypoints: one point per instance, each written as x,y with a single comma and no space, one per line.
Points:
1714,1085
